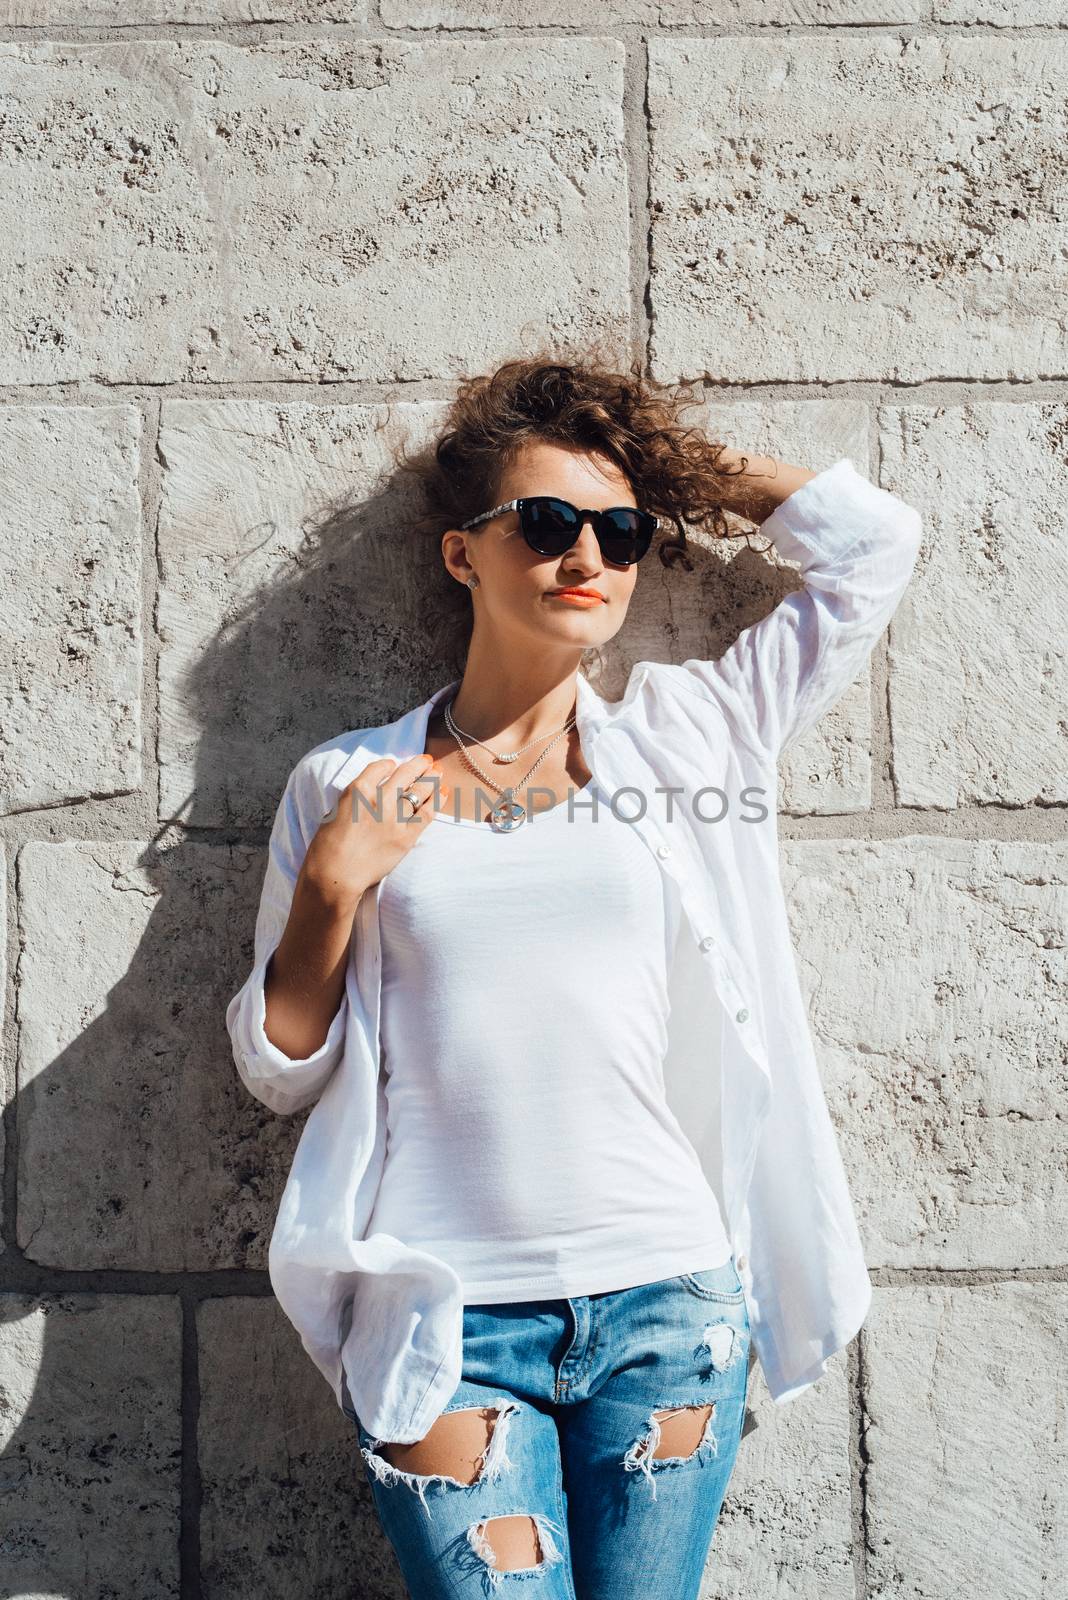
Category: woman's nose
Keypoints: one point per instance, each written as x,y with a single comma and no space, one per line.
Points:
587,540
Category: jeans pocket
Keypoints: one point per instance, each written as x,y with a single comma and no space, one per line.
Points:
715,1283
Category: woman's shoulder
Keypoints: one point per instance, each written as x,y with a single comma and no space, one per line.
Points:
330,766
320,774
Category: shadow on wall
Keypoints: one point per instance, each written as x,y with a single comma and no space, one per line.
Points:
145,1169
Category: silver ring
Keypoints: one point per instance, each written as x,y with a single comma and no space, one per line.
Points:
412,796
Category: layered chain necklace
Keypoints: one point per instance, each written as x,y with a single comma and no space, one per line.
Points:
507,814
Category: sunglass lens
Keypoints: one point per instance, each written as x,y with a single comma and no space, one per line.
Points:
626,534
550,525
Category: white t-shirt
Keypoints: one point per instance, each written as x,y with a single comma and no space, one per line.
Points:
523,1027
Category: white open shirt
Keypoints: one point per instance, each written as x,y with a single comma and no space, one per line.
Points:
383,1322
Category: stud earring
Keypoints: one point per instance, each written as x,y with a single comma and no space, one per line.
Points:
472,582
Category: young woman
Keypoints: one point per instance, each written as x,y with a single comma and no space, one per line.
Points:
569,1157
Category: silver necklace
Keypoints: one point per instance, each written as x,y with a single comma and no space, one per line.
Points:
507,814
502,755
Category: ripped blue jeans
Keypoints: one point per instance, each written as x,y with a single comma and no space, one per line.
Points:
605,1431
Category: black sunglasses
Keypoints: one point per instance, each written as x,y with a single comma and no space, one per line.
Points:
550,526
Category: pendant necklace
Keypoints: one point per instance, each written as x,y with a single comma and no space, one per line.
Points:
508,814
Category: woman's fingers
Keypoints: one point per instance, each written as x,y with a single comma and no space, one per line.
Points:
345,857
384,779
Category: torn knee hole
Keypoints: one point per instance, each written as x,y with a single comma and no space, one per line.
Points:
675,1434
462,1447
681,1430
519,1543
454,1447
512,1541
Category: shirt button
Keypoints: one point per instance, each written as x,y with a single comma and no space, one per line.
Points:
742,1262
663,850
707,942
743,1015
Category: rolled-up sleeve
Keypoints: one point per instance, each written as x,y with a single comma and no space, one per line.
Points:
280,1082
856,545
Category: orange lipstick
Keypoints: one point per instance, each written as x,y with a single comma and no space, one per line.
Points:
578,597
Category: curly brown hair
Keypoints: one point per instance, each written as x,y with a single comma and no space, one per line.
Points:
584,405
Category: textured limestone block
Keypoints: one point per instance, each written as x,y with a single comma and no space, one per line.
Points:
129,1096
936,977
315,210
785,1527
90,1444
1000,13
109,209
647,13
282,621
979,660
113,13
967,1483
713,13
858,206
286,1508
70,587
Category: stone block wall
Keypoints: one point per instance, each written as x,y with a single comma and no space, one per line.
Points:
244,241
